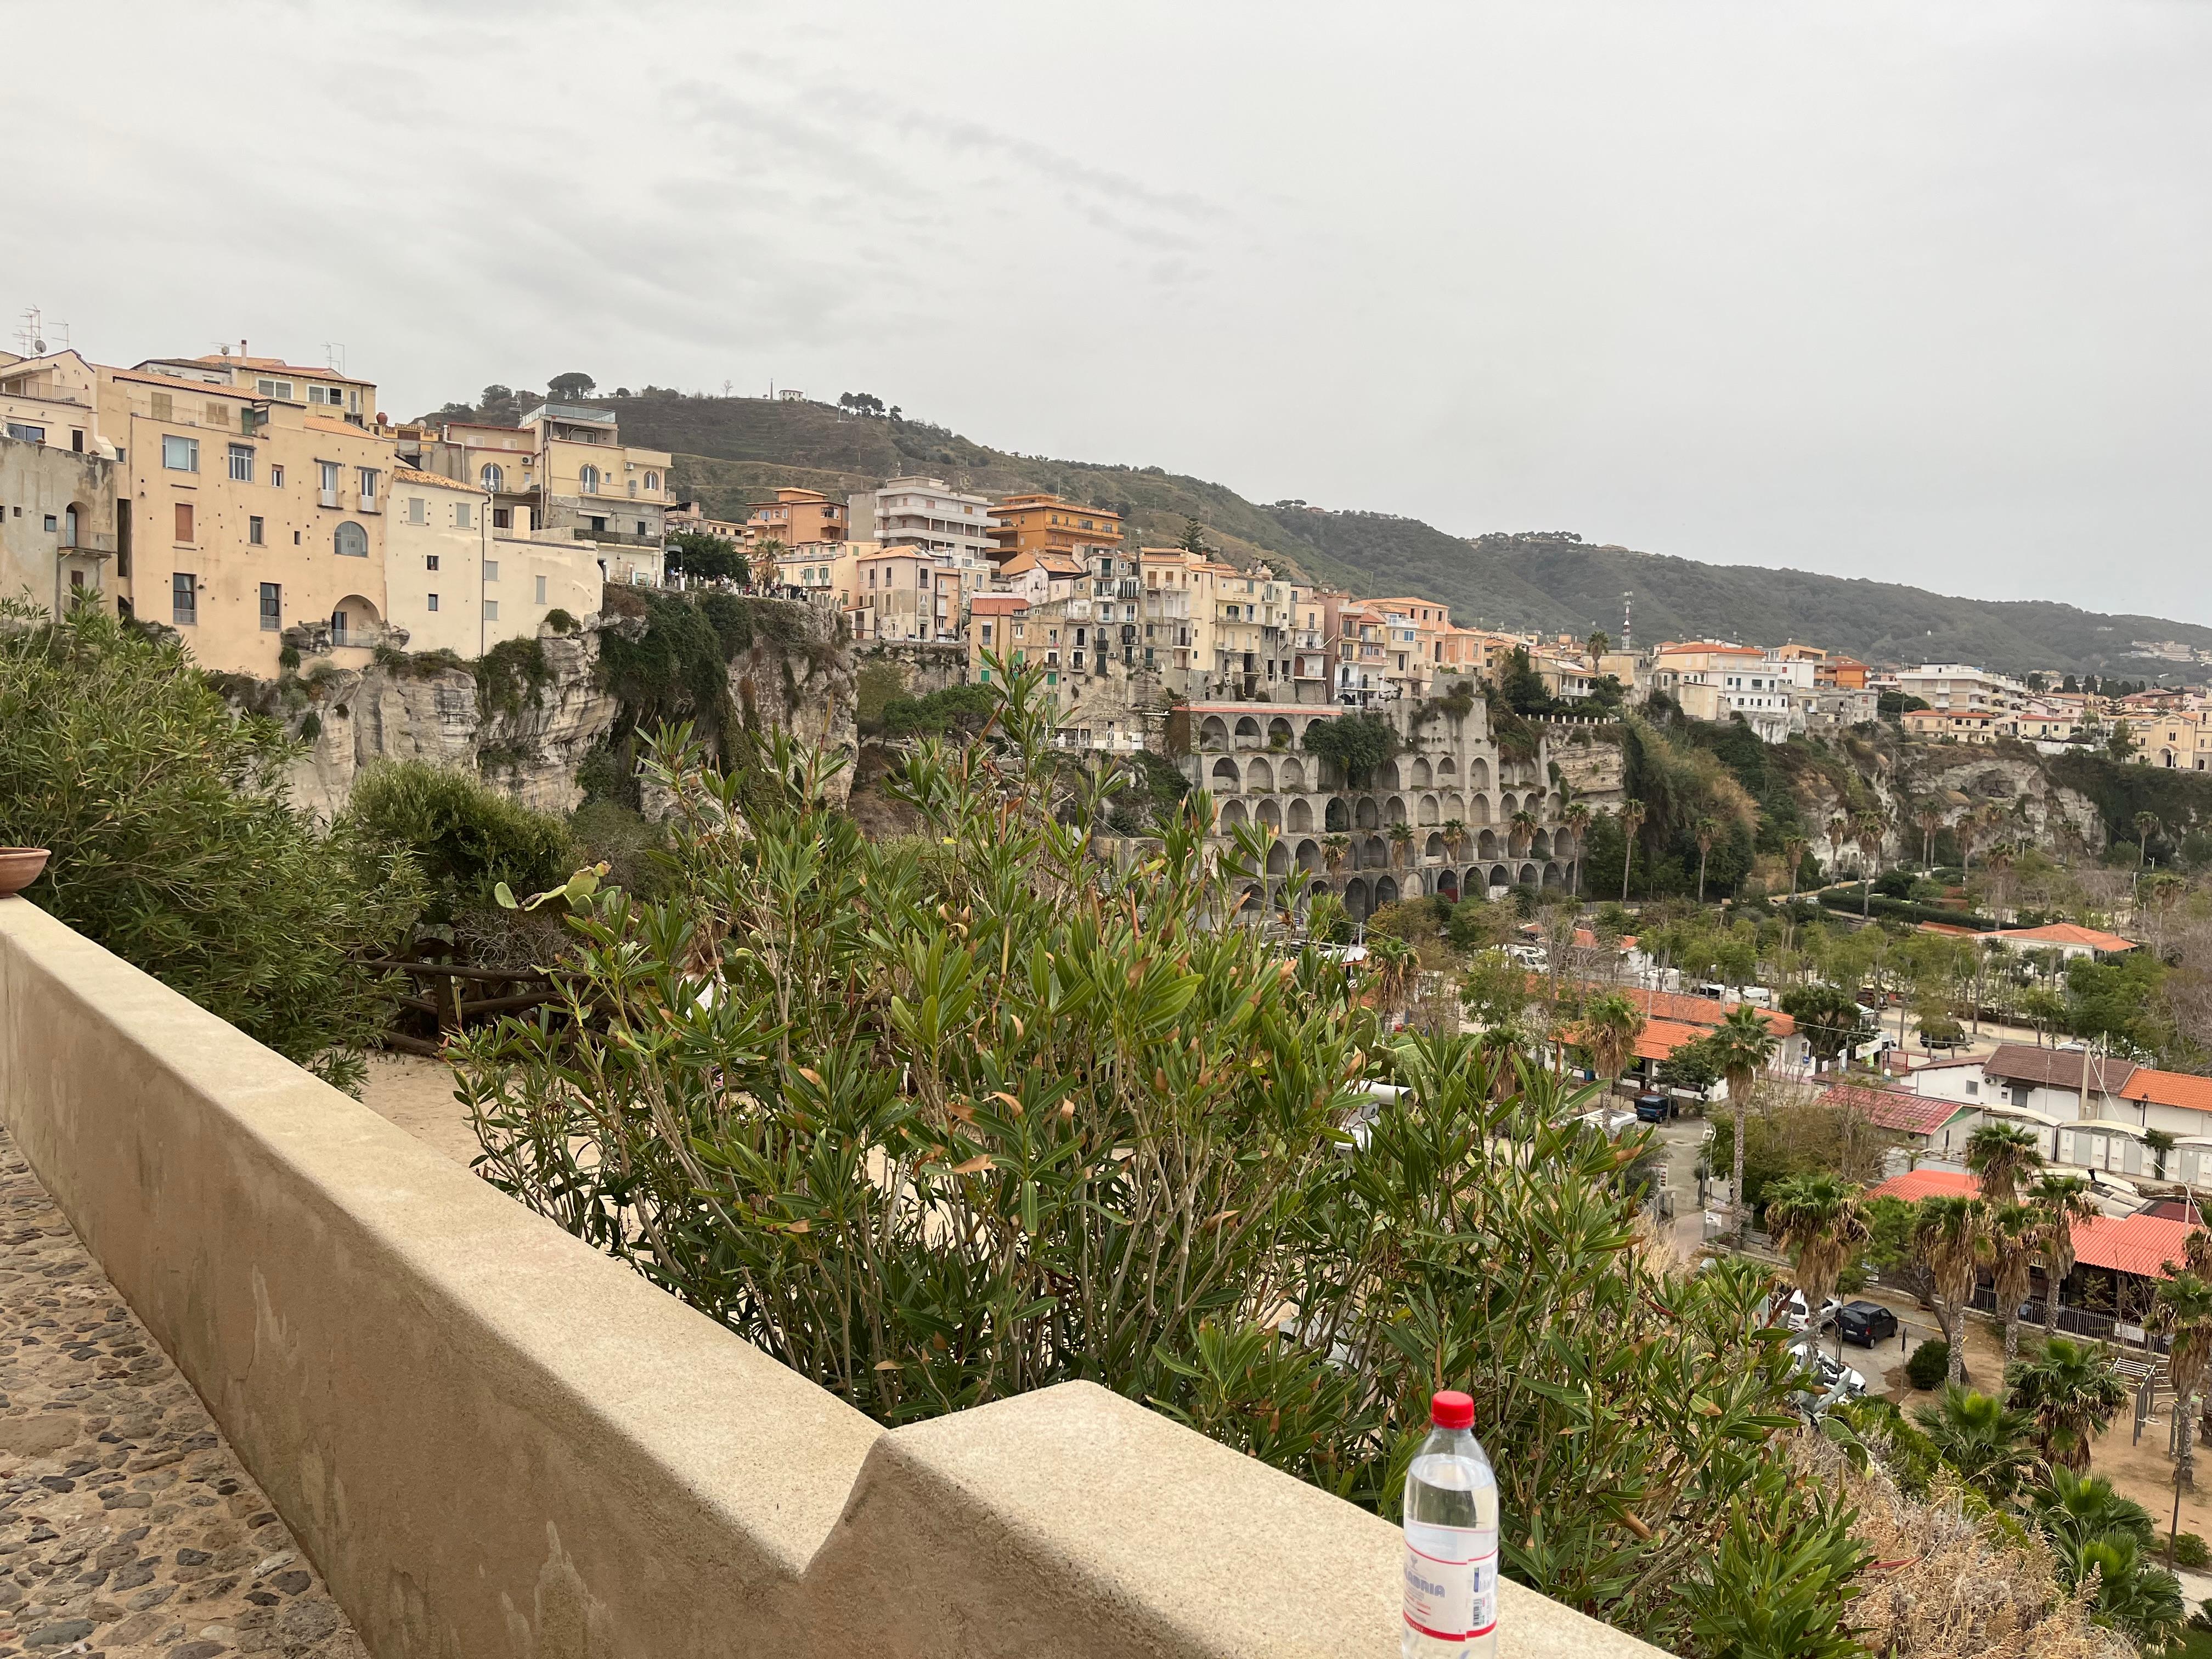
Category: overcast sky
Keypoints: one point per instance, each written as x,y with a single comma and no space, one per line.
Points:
1920,291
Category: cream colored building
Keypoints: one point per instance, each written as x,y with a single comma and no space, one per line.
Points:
564,467
326,392
436,537
56,524
51,400
527,578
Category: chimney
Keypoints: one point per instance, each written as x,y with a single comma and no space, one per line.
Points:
241,348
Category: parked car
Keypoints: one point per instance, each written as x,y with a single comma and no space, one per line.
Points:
1826,1381
1865,1322
1791,1313
1654,1109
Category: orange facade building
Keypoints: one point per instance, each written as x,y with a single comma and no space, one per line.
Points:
1050,524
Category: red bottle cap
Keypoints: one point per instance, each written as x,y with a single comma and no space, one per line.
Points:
1450,1409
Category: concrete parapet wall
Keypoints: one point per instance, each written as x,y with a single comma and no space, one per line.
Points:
495,1442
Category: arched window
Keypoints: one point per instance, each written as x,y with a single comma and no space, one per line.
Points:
69,526
588,480
652,483
492,477
350,541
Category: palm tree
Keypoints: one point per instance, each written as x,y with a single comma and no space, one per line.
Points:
1401,839
1930,812
1394,967
2061,1201
2145,823
1708,831
1597,645
1947,1237
2009,1247
1611,1025
1816,1221
1631,820
1577,817
2005,1156
2159,1143
2181,1312
1793,853
1455,837
1740,1044
2071,1393
2073,1508
1521,833
1838,825
1332,849
1868,831
1977,1436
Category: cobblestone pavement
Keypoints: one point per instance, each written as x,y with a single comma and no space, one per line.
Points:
127,1527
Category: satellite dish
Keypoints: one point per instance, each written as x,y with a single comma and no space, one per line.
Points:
38,348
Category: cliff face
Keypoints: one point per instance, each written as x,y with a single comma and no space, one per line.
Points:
547,709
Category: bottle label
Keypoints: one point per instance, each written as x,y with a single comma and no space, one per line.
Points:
1451,1580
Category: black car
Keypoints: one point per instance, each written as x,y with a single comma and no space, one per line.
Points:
1866,1323
1654,1109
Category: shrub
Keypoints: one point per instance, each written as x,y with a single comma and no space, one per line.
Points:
2190,1551
512,674
1930,1363
896,1162
174,846
561,621
1354,744
955,709
465,837
289,657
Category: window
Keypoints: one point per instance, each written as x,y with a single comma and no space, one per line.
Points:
491,477
276,478
430,561
434,601
29,434
183,598
463,516
272,607
491,571
253,531
53,525
653,487
418,510
502,518
274,389
598,526
183,521
588,480
987,633
349,541
76,440
538,594
180,454
69,526
241,463
369,476
318,394
218,414
491,609
337,628
329,482
162,411
640,526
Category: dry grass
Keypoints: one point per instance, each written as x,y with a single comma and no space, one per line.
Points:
1948,1583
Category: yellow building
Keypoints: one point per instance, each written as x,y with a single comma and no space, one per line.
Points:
240,517
436,536
52,400
1051,524
825,568
564,467
326,392
57,522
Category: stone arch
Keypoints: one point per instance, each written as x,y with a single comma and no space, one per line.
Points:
1248,732
1278,733
1426,811
1374,853
1225,777
1368,816
1336,815
1563,843
1455,807
1279,860
1309,856
1477,773
1500,876
1486,844
1232,815
1301,814
1355,902
1477,809
1554,876
1386,891
1540,845
1529,875
1424,775
1290,775
1434,848
1396,809
1507,806
354,621
1448,885
1269,814
1214,732
1447,770
1385,776
1259,776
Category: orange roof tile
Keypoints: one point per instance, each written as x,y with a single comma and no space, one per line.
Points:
2169,1089
1916,1184
1704,1010
1660,1037
1892,1109
2067,933
2138,1244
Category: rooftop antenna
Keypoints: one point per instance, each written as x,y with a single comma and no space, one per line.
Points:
1627,616
31,336
334,354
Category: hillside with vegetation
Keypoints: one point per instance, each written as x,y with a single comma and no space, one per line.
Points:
733,452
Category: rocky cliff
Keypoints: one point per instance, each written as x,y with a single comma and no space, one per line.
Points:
529,715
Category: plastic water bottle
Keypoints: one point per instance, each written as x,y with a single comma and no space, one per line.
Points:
1451,1540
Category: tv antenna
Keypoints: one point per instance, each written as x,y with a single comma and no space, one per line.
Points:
334,354
1627,617
32,336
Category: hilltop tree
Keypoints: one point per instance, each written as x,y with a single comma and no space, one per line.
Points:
860,402
574,384
1192,540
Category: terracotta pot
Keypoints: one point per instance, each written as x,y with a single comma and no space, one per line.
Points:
19,867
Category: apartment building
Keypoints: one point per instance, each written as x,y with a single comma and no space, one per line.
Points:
51,400
900,593
1953,688
56,520
240,516
1978,725
692,517
826,568
1051,524
1715,680
993,620
1042,578
927,513
323,391
563,467
797,518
